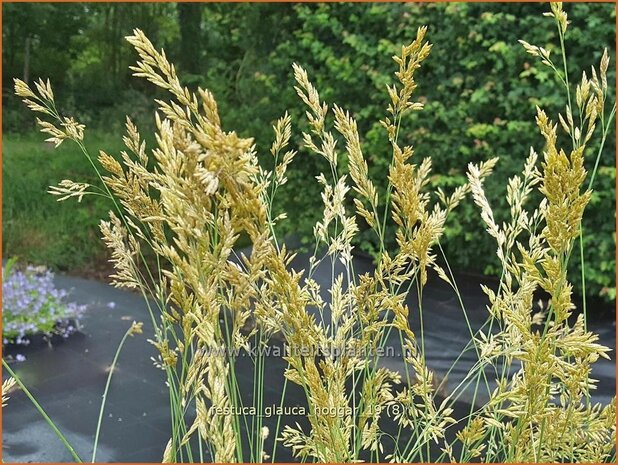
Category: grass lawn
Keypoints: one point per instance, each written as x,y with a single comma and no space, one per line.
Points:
35,227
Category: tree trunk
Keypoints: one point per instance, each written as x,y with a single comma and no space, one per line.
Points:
190,22
26,60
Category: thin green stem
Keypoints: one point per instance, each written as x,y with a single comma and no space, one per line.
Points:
42,412
106,390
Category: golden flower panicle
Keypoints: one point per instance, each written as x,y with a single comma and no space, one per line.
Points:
45,90
8,385
590,96
281,168
209,107
67,188
136,328
451,202
473,432
155,67
130,182
288,300
134,142
409,61
43,102
22,89
310,96
316,115
73,129
562,180
519,189
58,136
418,228
377,393
558,13
333,198
408,201
582,91
110,164
168,453
478,193
537,51
124,248
604,65
337,239
283,133
346,125
37,107
302,445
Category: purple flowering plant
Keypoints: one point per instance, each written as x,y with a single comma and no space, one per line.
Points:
31,304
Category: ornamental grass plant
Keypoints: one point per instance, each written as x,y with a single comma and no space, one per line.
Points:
185,203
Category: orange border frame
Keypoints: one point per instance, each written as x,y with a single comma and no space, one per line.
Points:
304,1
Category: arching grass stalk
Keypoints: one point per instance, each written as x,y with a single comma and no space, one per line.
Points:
605,130
136,328
49,421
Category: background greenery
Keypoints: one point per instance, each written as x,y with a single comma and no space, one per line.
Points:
479,86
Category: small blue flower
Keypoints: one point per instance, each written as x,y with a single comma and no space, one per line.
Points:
32,304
